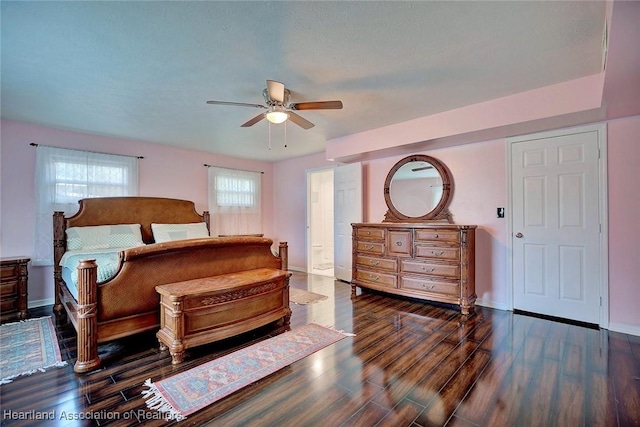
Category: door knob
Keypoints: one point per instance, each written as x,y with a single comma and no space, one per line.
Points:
519,235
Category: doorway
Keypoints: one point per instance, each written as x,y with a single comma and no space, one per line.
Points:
320,230
558,224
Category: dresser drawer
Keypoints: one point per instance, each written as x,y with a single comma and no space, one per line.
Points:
8,272
8,305
437,235
9,288
374,248
419,284
399,242
425,251
13,289
444,270
370,233
381,263
377,278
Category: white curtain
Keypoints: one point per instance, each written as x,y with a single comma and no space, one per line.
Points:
234,201
65,176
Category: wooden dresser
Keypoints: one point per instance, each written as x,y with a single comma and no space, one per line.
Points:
433,262
13,288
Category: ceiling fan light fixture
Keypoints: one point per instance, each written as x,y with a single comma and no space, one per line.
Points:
278,109
277,115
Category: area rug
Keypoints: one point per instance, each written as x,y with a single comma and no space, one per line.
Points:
189,391
28,347
302,297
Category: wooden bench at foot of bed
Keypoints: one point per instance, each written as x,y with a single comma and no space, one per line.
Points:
201,311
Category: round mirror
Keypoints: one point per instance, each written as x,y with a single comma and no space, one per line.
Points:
417,189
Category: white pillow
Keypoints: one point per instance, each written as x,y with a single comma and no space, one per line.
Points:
104,237
170,232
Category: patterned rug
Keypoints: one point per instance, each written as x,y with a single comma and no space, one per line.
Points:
28,347
189,391
302,297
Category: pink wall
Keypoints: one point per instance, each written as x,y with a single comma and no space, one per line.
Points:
622,85
530,111
165,171
479,179
479,173
624,221
290,211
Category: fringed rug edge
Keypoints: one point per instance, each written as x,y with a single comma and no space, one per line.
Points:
59,364
157,402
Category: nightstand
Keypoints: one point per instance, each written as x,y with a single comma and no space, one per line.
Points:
13,288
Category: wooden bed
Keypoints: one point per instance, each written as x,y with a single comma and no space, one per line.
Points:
127,303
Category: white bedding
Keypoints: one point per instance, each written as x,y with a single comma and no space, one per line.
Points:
107,260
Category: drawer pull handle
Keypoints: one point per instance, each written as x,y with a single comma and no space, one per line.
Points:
398,243
368,233
430,287
431,270
372,277
435,236
368,247
372,262
434,253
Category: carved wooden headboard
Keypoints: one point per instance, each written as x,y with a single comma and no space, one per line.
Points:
135,210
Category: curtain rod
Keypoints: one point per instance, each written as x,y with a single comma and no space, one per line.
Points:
233,169
33,144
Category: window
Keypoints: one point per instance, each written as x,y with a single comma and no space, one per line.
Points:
235,191
234,201
65,176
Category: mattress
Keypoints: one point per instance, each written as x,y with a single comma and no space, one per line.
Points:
107,260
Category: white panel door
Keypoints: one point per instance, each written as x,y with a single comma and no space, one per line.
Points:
347,187
556,226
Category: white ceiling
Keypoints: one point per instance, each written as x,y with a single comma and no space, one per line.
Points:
144,70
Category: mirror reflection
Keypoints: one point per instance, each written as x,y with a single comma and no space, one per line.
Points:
416,188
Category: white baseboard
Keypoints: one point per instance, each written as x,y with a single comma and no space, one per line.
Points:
492,304
296,268
625,329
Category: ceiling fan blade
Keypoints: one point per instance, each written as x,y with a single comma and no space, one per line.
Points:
318,105
253,121
275,90
237,104
300,121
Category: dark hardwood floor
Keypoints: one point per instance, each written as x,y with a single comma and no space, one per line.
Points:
410,364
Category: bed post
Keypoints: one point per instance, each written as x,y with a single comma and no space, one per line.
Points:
59,246
87,317
207,219
284,255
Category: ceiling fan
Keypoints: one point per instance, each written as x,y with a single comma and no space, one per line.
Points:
279,109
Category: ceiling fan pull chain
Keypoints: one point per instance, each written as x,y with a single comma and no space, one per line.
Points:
285,134
269,136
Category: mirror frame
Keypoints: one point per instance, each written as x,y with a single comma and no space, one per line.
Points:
438,214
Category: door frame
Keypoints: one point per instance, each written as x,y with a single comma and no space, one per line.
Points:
603,209
308,245
347,185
